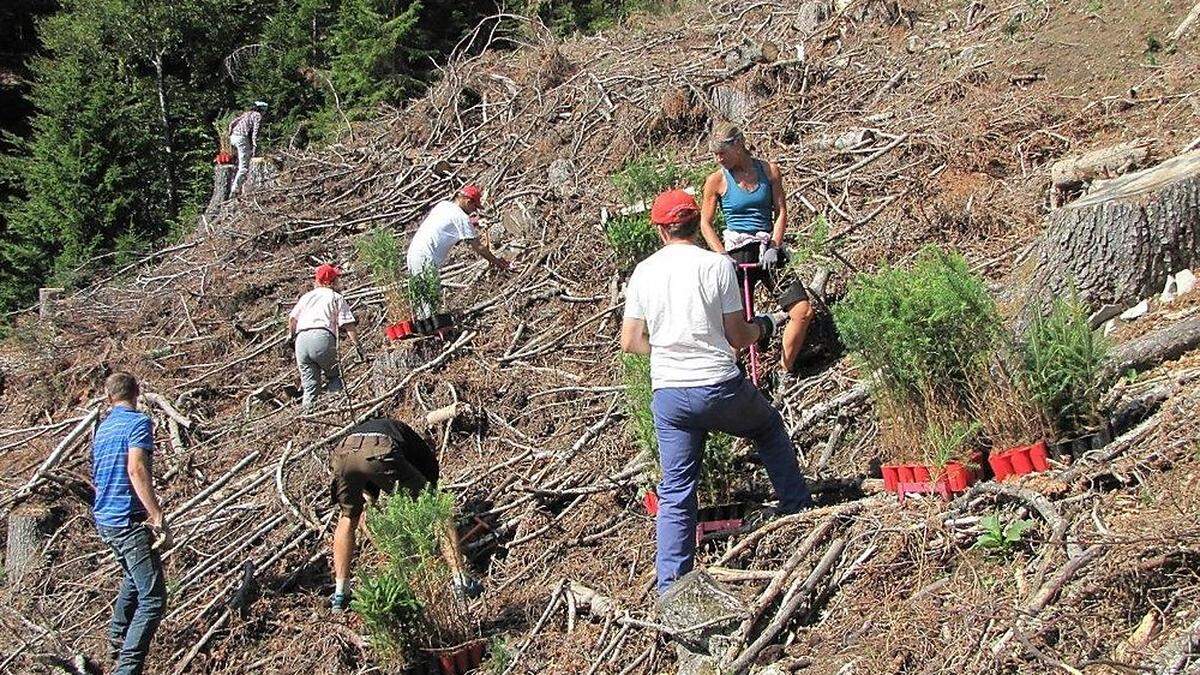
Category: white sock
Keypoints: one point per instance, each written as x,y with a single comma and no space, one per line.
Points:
339,586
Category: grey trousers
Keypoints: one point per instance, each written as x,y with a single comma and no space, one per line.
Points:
245,152
316,356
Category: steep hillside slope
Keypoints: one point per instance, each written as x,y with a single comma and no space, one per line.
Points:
957,110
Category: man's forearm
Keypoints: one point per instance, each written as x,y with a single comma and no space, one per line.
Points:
143,487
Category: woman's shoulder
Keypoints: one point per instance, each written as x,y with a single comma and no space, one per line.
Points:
715,180
771,168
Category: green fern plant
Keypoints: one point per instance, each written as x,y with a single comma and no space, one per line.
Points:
944,445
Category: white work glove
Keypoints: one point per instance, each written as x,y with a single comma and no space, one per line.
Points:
769,259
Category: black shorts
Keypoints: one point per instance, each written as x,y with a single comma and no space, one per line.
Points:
788,294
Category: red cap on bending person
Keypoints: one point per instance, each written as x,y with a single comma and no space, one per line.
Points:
326,274
472,193
674,207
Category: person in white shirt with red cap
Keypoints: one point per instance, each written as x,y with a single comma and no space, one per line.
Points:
448,223
314,324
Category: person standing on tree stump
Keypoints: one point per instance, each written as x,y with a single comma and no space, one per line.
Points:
448,223
243,136
683,308
378,456
750,193
313,325
130,520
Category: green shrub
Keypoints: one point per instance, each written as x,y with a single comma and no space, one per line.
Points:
635,370
812,243
380,250
1063,364
406,599
642,178
425,290
631,237
408,531
926,331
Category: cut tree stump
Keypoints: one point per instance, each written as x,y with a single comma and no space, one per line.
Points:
696,599
222,180
1118,244
23,559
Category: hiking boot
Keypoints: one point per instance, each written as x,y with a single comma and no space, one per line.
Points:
339,602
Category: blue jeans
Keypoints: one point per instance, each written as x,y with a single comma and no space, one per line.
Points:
141,600
683,416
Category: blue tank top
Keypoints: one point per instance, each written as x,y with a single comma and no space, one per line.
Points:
748,210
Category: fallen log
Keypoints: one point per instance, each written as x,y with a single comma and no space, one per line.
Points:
1073,172
1164,344
1117,244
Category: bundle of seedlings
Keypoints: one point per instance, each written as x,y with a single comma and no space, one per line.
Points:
1064,367
407,598
926,334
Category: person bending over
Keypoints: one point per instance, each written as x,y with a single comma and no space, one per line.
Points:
380,456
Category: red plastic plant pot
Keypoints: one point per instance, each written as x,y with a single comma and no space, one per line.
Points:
921,474
1020,461
717,527
891,477
461,659
1001,464
400,331
904,474
1039,456
958,477
650,501
223,158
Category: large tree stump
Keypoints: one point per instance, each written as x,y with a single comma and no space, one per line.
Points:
222,180
1118,243
23,559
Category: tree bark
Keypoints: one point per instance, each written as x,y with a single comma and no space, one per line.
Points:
1118,243
23,554
222,181
168,137
1164,344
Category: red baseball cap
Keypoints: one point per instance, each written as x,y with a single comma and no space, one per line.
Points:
674,207
472,192
326,274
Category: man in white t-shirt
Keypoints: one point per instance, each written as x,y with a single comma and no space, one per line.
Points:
448,223
314,323
683,308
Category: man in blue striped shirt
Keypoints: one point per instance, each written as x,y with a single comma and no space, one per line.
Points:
130,520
